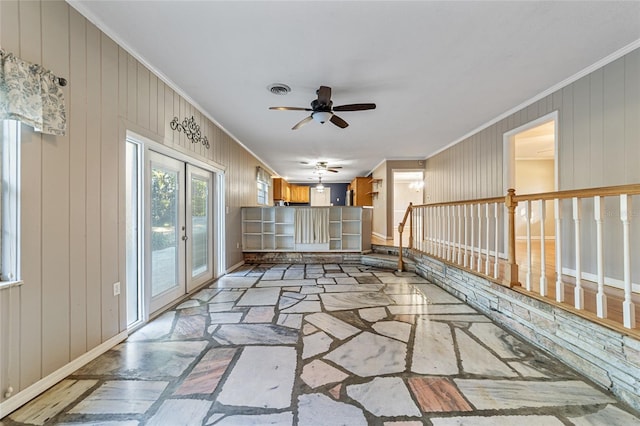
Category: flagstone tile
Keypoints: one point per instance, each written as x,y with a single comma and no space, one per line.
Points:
459,318
409,319
156,329
234,282
259,297
180,412
52,402
351,288
335,275
433,349
121,397
394,329
205,376
290,320
259,314
609,415
272,275
221,307
501,342
303,307
437,394
294,289
188,304
312,290
313,407
404,423
286,302
409,299
308,329
335,391
293,274
276,419
293,295
498,420
189,327
513,394
316,343
349,301
431,309
346,281
326,281
298,282
476,359
319,373
102,423
373,314
271,385
145,360
226,296
435,294
225,317
526,370
356,355
385,397
205,295
332,325
251,334
408,279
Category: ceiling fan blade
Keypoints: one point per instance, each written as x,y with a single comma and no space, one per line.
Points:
324,95
302,122
339,121
335,167
291,109
354,107
332,170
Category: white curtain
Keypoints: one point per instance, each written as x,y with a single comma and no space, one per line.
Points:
30,94
312,225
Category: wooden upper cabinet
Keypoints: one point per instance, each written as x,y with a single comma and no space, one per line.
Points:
281,190
299,193
362,192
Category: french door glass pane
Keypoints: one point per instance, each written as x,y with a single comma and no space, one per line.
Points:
132,241
199,225
165,231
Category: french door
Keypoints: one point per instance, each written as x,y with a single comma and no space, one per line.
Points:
179,229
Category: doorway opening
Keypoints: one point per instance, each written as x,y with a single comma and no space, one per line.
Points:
408,187
174,227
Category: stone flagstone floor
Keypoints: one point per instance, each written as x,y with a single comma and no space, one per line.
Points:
323,345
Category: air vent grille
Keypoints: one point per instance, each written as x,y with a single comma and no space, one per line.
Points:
279,89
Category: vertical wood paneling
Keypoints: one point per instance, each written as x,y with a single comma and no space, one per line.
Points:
153,103
632,118
581,132
566,147
143,96
109,159
596,148
77,107
31,207
94,112
613,122
161,121
123,73
132,87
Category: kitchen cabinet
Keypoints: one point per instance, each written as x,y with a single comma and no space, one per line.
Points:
299,193
362,192
281,190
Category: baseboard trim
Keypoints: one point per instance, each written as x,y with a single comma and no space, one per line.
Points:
234,267
384,237
27,394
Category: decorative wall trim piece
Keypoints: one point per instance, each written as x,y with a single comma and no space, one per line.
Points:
190,129
27,394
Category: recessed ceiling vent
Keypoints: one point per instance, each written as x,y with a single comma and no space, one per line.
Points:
279,89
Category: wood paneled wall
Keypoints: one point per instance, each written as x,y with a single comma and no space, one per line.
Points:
72,194
599,138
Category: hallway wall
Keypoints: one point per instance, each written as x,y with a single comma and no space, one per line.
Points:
599,145
72,193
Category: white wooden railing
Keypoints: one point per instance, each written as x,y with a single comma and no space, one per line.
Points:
479,236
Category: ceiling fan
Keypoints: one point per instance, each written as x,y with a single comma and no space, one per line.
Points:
322,109
322,166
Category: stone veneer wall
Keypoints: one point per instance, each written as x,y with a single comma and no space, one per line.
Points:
609,358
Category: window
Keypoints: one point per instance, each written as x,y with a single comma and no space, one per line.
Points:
263,178
10,212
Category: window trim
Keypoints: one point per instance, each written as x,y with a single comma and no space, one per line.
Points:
11,133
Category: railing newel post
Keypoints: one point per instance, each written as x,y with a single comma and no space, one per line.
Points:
511,273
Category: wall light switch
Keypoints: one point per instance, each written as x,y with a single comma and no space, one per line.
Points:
116,289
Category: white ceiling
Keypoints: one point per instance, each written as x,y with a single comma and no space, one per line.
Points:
436,70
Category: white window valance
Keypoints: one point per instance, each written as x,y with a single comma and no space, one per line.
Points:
31,94
262,175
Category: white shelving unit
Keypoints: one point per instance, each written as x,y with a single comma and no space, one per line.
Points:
272,229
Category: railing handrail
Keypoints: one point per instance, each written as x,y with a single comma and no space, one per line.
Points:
605,191
401,225
464,202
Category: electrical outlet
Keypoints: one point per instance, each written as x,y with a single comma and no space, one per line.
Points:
237,245
116,289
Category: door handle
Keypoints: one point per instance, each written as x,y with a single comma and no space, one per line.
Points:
185,238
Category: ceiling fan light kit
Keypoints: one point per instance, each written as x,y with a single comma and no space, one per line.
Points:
322,109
